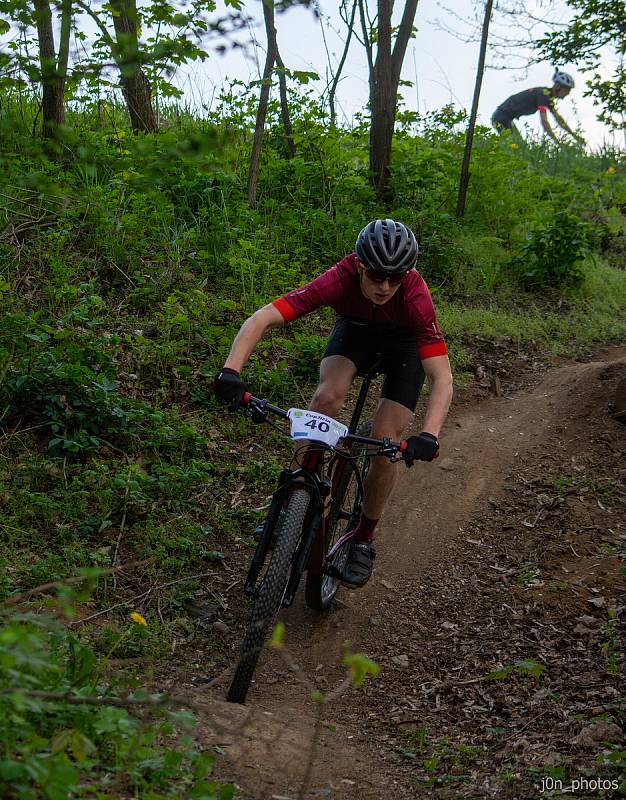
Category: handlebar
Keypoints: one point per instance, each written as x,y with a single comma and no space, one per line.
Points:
259,410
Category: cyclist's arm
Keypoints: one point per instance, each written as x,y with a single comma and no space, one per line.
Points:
439,376
250,333
561,122
543,113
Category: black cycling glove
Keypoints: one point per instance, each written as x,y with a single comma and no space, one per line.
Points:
229,387
424,447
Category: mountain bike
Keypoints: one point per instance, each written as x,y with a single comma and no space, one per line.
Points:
310,519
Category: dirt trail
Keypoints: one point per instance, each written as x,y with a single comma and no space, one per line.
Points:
486,448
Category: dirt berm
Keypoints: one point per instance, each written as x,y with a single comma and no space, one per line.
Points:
495,613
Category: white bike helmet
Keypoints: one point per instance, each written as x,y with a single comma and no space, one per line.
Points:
564,78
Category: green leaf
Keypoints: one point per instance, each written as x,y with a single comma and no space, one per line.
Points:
530,667
278,636
11,770
303,77
73,741
499,674
360,666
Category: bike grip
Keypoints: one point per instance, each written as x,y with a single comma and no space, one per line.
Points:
246,397
403,445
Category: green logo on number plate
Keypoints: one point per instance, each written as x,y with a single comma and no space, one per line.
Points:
298,413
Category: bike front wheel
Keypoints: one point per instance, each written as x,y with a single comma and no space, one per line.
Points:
270,592
320,589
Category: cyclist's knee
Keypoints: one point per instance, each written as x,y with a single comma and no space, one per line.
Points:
328,398
391,421
381,466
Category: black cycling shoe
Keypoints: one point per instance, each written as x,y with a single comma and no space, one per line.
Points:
359,564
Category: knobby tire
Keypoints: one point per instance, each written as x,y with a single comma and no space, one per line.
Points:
270,593
316,595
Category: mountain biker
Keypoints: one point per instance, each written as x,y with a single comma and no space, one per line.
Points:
538,99
384,309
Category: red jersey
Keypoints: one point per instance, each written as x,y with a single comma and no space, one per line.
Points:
411,307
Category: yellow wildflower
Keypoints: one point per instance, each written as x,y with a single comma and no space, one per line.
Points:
136,617
610,170
513,146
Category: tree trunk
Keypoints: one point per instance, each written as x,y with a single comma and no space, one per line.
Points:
257,142
384,80
135,85
284,106
337,76
53,106
64,39
138,96
469,138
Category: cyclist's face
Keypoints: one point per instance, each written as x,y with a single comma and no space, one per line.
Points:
378,293
560,90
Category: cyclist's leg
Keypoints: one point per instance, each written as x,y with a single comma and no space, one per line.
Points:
347,351
351,347
404,377
391,420
336,376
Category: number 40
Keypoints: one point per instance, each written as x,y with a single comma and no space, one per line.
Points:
321,426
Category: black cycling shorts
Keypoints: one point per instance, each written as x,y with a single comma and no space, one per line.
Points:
364,345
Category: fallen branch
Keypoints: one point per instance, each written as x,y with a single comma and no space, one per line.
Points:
155,701
141,596
528,724
19,431
46,587
101,700
39,193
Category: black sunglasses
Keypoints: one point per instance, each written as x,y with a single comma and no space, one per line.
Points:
378,276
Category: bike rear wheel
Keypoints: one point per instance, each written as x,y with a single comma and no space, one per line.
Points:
270,592
320,589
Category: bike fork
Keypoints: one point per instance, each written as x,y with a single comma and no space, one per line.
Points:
268,531
310,532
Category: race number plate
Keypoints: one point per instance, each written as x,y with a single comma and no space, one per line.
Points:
317,427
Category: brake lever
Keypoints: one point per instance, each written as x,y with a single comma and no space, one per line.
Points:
256,411
397,452
388,449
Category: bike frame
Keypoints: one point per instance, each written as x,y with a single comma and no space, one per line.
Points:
310,554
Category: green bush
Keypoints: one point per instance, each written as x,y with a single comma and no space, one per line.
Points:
553,255
65,732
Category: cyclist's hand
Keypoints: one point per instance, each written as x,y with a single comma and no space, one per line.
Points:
229,387
424,447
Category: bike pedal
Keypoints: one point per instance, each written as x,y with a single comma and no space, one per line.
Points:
332,571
